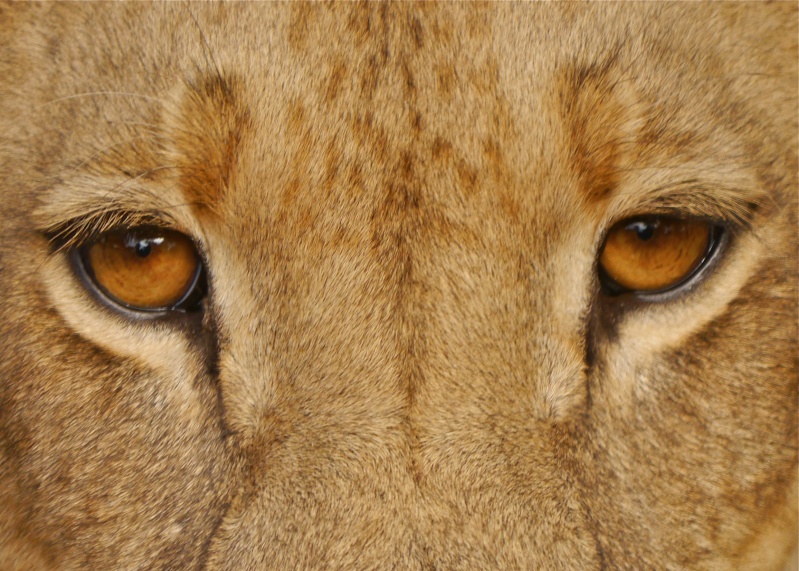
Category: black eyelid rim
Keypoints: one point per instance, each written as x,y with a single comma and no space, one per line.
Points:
720,235
188,303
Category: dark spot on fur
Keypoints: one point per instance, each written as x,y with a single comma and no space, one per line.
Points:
369,77
493,154
296,117
370,136
334,81
301,12
467,175
417,33
53,47
446,80
595,115
410,81
214,123
416,122
332,163
441,149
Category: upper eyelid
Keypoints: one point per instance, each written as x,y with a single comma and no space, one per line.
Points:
78,231
731,208
725,200
674,213
78,210
80,207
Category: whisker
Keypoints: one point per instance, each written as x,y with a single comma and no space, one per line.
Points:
140,176
100,93
207,51
114,146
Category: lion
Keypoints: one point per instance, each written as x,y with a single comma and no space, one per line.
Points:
398,286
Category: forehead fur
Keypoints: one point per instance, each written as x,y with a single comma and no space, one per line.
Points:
406,357
391,111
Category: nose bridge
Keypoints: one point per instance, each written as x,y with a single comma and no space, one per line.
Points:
388,383
314,341
389,353
402,275
404,338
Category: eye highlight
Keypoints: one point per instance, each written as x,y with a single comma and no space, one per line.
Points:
651,254
145,268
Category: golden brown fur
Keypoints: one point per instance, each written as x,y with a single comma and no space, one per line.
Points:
405,361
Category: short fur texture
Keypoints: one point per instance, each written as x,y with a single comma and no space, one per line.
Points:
406,360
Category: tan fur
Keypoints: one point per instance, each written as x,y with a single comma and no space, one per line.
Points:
406,360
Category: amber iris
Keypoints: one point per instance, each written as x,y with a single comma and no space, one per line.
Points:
654,253
143,268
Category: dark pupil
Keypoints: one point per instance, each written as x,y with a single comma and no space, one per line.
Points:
644,230
143,248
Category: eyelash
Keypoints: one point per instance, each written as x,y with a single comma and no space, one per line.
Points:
77,235
77,232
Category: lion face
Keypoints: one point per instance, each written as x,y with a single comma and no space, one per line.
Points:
414,286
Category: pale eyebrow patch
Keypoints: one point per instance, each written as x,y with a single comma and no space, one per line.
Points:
184,164
85,206
631,157
703,191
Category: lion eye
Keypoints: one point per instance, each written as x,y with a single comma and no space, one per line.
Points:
146,268
655,253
